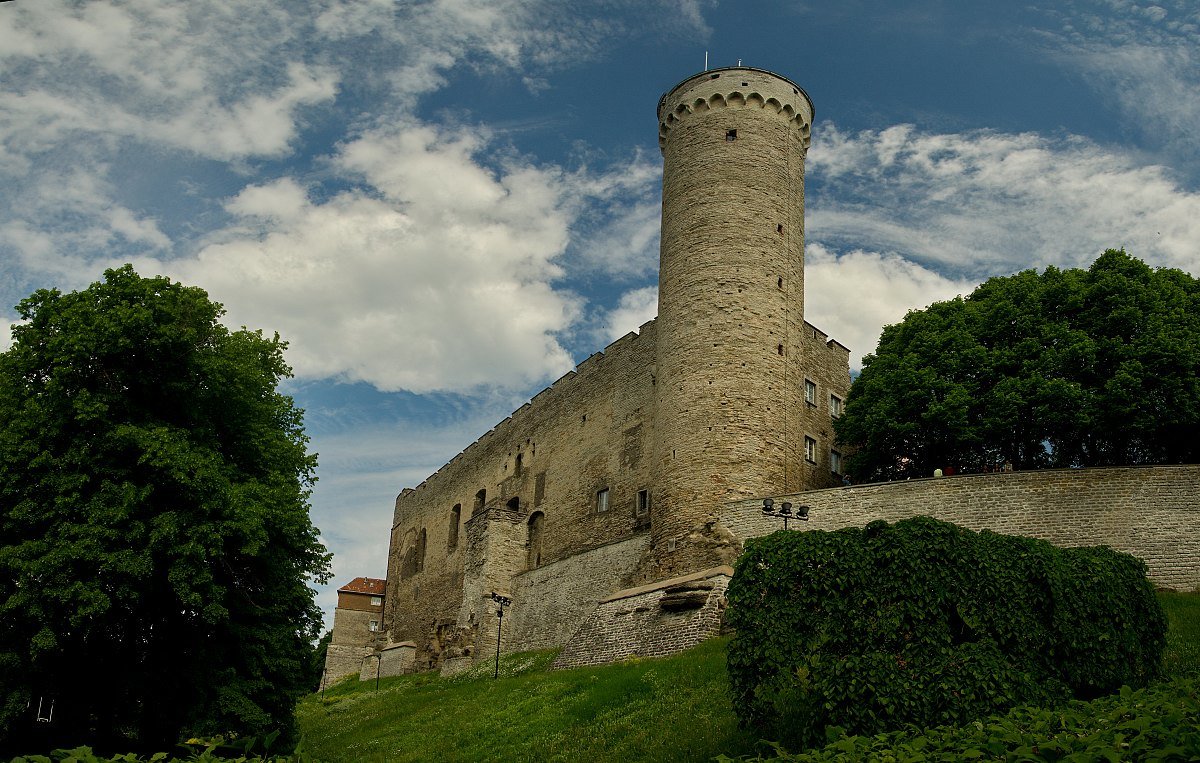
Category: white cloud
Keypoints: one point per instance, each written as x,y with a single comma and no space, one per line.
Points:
984,203
635,308
853,296
1144,58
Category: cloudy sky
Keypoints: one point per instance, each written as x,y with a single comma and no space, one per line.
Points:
444,204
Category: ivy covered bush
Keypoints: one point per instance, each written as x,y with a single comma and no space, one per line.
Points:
923,622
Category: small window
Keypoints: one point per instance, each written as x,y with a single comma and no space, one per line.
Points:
835,406
480,499
730,135
643,502
452,530
810,392
714,76
602,500
835,462
779,282
779,228
810,450
779,349
374,626
376,601
517,468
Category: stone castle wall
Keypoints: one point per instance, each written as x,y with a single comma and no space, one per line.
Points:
1152,512
527,494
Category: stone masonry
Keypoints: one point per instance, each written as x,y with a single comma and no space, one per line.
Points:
614,476
1152,512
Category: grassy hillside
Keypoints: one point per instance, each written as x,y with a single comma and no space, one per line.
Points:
673,709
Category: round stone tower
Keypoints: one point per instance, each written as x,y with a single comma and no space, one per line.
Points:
729,379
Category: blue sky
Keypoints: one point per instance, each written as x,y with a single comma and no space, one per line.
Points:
445,204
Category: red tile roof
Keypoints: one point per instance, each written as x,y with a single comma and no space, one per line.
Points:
373,586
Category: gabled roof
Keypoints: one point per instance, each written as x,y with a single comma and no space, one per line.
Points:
373,586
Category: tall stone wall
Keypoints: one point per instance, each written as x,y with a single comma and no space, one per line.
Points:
540,472
550,603
1152,512
827,368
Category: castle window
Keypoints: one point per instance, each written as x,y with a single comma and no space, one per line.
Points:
713,76
455,520
517,468
643,503
779,282
835,406
810,392
779,228
810,450
602,501
480,499
730,135
779,349
835,462
514,503
533,553
421,551
374,626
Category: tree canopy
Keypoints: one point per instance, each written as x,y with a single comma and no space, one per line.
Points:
1058,369
155,539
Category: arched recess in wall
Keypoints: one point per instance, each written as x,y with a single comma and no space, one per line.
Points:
514,503
480,499
534,545
421,551
408,557
452,534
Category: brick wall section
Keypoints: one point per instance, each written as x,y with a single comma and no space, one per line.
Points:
1152,512
588,431
633,623
352,637
550,603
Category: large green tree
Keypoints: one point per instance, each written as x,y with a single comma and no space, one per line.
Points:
155,540
1063,368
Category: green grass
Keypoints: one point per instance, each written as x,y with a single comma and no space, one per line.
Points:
1182,656
672,709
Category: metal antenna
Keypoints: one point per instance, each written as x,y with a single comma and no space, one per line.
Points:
706,60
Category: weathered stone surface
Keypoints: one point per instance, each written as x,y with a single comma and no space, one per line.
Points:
1152,512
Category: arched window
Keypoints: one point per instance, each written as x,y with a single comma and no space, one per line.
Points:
534,545
480,499
452,534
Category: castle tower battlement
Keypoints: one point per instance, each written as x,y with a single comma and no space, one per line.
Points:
730,375
735,87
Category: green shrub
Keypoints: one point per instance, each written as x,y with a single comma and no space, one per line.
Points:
927,623
1159,723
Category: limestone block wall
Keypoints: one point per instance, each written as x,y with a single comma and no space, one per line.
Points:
541,469
650,621
826,367
551,602
1152,512
342,660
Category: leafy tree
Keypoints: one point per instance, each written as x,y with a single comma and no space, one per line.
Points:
155,541
1064,368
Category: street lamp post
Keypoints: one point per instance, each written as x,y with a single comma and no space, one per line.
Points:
784,511
501,603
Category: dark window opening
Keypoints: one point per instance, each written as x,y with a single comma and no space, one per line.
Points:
713,76
517,467
780,283
514,503
533,547
480,499
730,135
780,349
779,228
455,520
